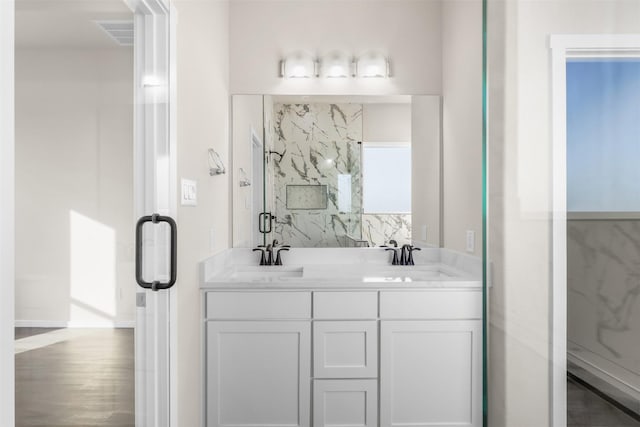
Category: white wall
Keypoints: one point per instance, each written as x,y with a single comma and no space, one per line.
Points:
425,170
462,122
263,32
7,357
203,123
386,123
520,192
74,199
247,116
435,48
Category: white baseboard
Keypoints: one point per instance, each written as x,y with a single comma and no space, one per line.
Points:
74,324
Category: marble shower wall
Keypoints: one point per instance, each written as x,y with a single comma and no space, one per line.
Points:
378,229
317,144
603,282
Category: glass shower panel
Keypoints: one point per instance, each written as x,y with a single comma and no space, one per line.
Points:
315,167
561,132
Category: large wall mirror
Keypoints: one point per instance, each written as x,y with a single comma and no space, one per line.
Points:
336,171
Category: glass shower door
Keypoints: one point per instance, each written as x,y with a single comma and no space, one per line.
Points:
315,173
562,143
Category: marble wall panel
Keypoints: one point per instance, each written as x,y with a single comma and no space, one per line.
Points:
603,279
378,229
317,144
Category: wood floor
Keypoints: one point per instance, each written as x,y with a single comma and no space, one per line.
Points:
87,380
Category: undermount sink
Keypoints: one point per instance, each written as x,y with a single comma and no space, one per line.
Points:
380,273
265,272
417,272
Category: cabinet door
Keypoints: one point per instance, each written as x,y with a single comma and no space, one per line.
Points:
345,349
258,373
430,373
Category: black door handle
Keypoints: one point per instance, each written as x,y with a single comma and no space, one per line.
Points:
265,222
155,219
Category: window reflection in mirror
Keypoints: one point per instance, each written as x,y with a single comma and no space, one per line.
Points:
336,171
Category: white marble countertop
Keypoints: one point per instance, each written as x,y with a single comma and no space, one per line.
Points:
355,269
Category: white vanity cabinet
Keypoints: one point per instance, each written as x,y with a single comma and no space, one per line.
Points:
366,357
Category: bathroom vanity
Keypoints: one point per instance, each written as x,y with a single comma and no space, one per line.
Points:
341,338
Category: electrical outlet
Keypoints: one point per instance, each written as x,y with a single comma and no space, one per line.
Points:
423,233
471,241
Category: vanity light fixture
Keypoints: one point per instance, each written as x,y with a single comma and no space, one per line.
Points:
336,64
299,64
372,64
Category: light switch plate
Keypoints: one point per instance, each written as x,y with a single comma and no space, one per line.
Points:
189,191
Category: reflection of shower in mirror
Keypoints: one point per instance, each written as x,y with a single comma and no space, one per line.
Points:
316,142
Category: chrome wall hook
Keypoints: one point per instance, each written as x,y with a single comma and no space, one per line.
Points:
244,179
216,167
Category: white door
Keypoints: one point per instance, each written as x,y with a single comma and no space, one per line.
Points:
155,204
7,405
154,191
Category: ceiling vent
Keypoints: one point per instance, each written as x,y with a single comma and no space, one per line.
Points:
119,31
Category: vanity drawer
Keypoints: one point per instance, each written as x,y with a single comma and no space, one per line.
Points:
345,403
258,305
345,305
431,304
345,349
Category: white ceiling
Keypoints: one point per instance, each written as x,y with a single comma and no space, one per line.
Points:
67,23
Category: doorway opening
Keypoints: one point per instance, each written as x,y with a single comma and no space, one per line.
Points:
74,293
597,226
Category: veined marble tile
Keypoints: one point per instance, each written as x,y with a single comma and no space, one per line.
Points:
378,229
302,229
306,196
603,287
317,144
